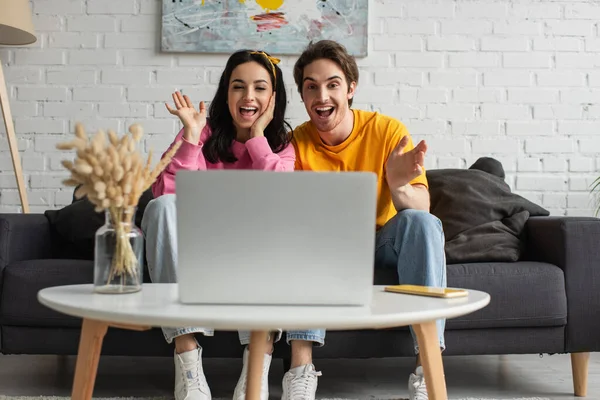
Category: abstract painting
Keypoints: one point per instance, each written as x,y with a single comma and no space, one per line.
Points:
276,26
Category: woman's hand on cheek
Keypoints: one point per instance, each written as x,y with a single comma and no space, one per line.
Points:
264,119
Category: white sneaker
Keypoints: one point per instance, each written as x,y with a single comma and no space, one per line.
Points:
417,390
240,389
190,382
300,383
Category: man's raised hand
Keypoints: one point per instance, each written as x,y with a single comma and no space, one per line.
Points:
404,166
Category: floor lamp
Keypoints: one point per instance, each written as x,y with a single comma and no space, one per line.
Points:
16,28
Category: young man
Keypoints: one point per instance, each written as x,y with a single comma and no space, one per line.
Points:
338,138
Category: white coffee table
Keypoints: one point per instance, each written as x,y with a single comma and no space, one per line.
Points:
157,305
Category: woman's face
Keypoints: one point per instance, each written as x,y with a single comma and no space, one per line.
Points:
250,90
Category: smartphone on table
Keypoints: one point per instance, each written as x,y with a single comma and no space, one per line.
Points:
427,291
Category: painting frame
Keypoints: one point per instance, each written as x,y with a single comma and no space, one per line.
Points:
208,26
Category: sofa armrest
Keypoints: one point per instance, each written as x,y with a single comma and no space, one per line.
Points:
573,244
24,237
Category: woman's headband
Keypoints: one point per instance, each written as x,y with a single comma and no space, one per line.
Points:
272,61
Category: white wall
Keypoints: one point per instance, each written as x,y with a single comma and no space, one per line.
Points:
516,80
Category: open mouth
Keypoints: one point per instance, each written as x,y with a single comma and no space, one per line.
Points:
324,111
248,111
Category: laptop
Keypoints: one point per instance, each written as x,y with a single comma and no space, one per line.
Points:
276,238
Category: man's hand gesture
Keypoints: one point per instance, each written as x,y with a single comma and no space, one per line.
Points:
402,167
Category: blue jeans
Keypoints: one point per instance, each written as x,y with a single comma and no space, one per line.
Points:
317,336
159,225
413,244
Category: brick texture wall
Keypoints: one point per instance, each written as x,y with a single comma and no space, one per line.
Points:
516,80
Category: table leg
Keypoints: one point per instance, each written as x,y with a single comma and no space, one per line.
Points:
88,355
258,343
431,359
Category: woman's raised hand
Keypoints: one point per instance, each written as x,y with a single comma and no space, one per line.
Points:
193,121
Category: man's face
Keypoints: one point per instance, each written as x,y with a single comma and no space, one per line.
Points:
325,94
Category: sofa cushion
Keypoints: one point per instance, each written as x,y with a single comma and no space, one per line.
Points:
24,279
523,294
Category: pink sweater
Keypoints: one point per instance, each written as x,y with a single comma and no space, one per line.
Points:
254,154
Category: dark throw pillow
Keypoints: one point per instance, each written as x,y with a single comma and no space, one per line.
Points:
483,220
74,227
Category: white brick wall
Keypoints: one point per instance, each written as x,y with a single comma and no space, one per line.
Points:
515,80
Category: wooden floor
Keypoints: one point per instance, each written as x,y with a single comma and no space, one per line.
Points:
498,377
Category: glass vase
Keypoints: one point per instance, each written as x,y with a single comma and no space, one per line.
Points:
118,253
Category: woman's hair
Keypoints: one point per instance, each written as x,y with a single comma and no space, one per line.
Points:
278,132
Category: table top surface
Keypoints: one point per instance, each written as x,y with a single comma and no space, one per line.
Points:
158,305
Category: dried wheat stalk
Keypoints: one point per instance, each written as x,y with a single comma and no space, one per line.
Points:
113,177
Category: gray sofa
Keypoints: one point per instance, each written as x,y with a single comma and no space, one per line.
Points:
548,301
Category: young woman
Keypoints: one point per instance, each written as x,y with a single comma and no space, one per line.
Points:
245,129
